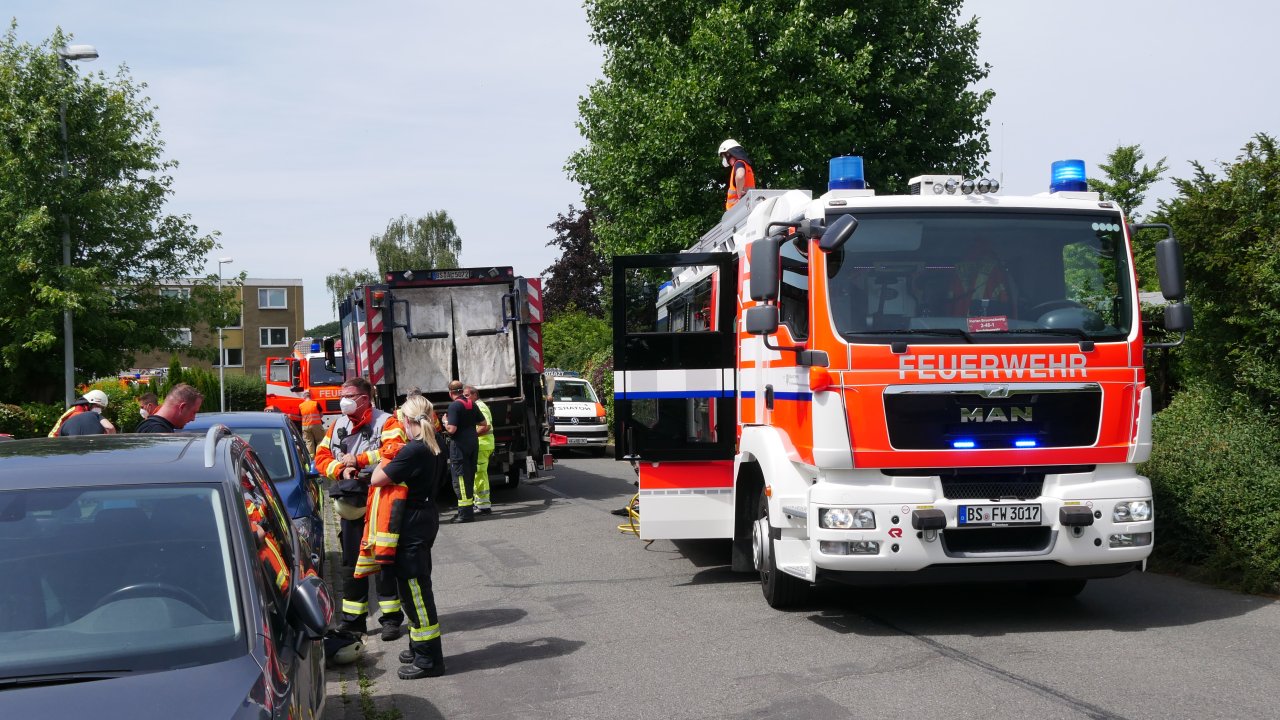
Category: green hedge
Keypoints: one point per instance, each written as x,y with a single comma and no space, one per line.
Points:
1215,469
599,372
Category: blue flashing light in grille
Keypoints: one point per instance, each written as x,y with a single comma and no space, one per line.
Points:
963,444
1067,176
1024,443
846,173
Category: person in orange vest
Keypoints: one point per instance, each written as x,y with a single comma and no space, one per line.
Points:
312,422
741,177
354,445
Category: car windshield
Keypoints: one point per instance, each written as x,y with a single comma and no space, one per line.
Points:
982,276
115,579
573,392
321,375
271,445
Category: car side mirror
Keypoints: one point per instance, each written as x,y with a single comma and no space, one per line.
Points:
330,355
313,605
1173,283
765,264
1177,317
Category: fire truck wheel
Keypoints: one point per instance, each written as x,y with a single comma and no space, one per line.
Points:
1058,588
780,589
513,476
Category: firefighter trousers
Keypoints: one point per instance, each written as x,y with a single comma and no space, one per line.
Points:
313,435
355,591
412,571
462,464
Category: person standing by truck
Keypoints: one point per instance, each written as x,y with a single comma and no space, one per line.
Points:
312,422
354,445
462,422
485,432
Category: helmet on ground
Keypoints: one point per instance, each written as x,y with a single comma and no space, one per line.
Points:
96,397
728,145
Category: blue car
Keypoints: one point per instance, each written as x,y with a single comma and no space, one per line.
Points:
153,576
283,452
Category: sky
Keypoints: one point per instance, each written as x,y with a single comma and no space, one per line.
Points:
301,128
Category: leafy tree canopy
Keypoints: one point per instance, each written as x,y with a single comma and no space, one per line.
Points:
124,247
572,338
341,283
795,82
578,277
328,329
417,243
1229,228
1127,186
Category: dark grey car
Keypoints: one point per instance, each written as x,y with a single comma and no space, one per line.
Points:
153,576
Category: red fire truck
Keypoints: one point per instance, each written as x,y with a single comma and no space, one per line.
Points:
941,386
288,376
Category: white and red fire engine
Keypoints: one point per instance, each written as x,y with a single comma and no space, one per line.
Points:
935,387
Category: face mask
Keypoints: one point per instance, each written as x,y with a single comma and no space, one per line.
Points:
724,161
144,413
97,409
348,406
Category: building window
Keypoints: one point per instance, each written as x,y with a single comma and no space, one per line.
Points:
180,293
180,337
233,356
273,337
272,299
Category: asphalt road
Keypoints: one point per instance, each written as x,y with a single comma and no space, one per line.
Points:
548,611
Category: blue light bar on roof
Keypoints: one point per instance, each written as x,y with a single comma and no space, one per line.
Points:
846,173
1067,176
963,444
315,347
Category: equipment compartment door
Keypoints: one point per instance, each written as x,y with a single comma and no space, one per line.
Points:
673,356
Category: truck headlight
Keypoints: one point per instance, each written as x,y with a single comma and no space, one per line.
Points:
1132,511
847,518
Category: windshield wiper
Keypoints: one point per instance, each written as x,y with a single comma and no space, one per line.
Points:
1073,332
946,332
63,678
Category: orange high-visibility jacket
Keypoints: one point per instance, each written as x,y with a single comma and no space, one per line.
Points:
386,438
748,181
310,412
381,528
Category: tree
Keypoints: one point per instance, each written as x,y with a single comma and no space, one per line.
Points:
795,82
124,247
417,243
328,329
341,283
573,337
577,279
1127,186
1229,228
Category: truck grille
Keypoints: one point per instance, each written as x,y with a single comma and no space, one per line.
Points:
996,540
990,416
991,483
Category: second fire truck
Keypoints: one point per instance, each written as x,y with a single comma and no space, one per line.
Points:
935,387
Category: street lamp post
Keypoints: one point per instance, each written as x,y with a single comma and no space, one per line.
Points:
65,56
222,358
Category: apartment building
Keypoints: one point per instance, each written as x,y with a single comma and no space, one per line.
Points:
270,321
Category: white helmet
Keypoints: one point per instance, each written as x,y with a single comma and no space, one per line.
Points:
96,397
725,147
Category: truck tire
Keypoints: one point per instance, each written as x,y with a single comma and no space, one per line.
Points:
745,513
781,590
513,476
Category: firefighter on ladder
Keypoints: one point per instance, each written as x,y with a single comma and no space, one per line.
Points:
741,177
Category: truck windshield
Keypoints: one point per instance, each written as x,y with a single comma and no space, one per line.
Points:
321,375
982,276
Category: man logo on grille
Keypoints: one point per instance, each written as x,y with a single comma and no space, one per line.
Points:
995,414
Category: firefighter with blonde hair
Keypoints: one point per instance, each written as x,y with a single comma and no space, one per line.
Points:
420,466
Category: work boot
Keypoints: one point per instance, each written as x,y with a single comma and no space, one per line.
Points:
428,661
406,656
486,511
390,630
357,625
465,515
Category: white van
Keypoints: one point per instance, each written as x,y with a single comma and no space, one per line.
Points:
575,417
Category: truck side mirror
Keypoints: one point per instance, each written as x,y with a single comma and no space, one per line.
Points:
1173,284
1177,317
765,263
330,357
837,233
761,320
